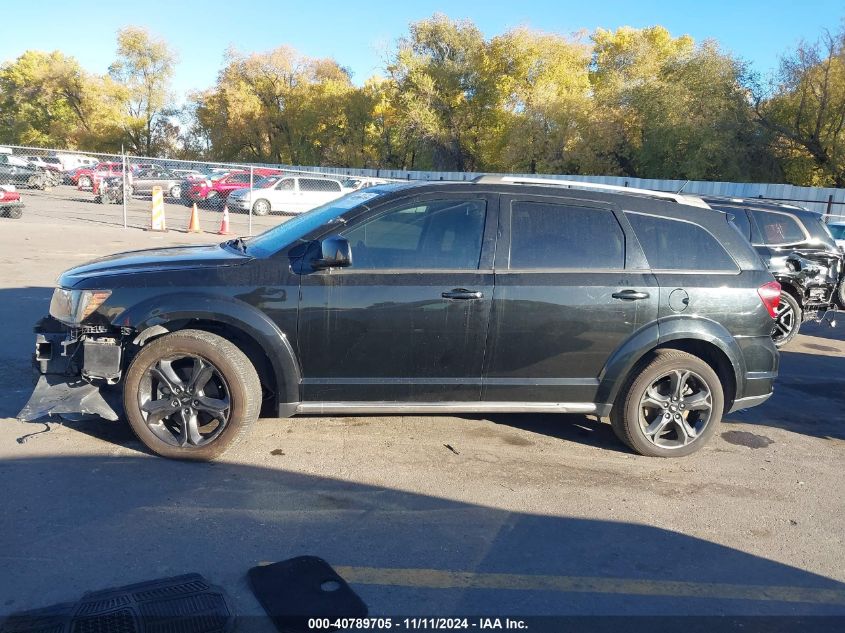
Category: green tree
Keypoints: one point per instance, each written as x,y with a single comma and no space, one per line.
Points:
446,91
143,69
46,99
805,110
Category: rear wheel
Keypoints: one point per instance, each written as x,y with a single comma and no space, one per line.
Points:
16,213
840,294
176,191
191,395
670,407
788,317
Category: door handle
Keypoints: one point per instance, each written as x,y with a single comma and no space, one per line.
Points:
462,293
630,295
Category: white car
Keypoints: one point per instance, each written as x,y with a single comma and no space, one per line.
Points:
837,230
291,194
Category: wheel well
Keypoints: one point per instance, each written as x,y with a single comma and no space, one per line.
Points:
714,357
248,345
792,290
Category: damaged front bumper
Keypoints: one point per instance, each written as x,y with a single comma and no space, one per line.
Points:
76,368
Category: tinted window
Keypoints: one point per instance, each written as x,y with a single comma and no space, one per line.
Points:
238,178
435,234
676,245
314,184
558,236
777,228
837,230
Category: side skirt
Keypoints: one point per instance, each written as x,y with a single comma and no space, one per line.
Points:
353,408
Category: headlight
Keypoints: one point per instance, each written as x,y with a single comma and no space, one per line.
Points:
72,307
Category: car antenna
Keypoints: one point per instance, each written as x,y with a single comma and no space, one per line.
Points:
682,186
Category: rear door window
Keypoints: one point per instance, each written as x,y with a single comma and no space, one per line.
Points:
548,235
316,184
679,245
778,229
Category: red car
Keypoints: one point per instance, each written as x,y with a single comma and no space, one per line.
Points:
10,204
84,176
215,192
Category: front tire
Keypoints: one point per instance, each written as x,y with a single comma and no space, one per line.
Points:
84,182
670,406
176,192
261,208
788,316
191,395
840,294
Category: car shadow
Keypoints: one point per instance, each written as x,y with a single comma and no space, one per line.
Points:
77,523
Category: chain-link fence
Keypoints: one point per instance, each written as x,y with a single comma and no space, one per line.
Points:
118,188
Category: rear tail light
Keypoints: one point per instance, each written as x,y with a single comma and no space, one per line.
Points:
770,296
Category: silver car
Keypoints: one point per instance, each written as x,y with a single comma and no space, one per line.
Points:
146,179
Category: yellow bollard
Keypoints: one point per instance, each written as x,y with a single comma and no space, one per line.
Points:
157,212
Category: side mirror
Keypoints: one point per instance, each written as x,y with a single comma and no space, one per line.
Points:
335,252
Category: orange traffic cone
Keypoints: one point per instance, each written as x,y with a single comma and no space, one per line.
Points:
224,225
194,224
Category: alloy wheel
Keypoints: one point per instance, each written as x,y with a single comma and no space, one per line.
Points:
675,409
784,321
185,401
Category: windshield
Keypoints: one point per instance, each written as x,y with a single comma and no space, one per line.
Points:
837,231
288,232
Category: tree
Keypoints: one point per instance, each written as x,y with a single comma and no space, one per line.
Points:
144,68
544,95
46,99
668,108
446,91
805,110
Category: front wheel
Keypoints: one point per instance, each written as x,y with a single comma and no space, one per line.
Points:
261,207
84,181
788,317
176,191
191,395
671,406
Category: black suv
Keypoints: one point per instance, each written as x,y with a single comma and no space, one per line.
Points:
800,251
483,297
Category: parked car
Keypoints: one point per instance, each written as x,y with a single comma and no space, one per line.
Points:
70,162
293,194
216,192
646,307
837,230
12,173
44,162
801,253
84,176
189,174
11,205
145,180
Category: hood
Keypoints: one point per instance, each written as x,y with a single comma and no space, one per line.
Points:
153,260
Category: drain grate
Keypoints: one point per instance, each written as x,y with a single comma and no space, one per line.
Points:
182,604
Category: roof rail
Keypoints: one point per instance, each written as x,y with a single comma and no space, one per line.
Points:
693,201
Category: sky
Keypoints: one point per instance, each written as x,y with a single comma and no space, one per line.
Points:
359,34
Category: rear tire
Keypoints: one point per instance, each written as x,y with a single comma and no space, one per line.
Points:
840,294
16,213
657,417
176,192
788,317
232,381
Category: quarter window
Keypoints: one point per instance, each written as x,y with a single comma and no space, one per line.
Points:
441,234
547,235
778,228
677,245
